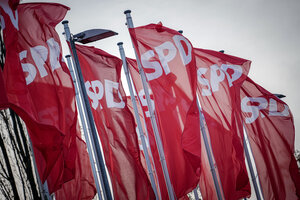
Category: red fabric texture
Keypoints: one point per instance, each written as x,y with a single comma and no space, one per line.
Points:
219,80
3,97
83,185
39,87
115,123
206,182
13,4
270,128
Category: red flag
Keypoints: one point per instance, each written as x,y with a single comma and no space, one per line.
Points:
206,182
3,97
115,123
38,84
170,109
83,185
219,80
13,4
270,127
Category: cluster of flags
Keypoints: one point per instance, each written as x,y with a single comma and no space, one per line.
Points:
182,84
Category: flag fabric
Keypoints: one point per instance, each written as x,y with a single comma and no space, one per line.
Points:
171,105
83,185
168,61
271,132
3,97
220,77
38,85
13,4
115,123
206,182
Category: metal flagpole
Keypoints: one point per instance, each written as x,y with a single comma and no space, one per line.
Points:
151,157
247,154
44,192
152,116
136,113
209,153
89,116
84,125
196,193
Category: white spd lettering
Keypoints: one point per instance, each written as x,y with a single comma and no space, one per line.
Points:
217,75
96,91
151,65
165,58
13,15
273,110
237,73
40,55
140,140
186,58
27,67
143,100
111,103
54,49
261,103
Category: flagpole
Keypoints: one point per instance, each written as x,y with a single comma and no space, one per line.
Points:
196,193
43,187
209,153
89,116
251,169
152,116
141,132
84,125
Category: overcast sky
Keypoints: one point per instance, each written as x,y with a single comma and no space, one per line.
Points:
265,32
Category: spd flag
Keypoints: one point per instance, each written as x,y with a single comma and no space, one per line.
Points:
220,77
38,84
115,123
170,110
271,132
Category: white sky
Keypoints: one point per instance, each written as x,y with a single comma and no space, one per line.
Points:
263,31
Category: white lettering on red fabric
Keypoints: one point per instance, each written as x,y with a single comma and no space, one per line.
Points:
96,91
40,55
217,75
254,105
166,52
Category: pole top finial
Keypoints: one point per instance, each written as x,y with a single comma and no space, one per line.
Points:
127,11
65,22
120,43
